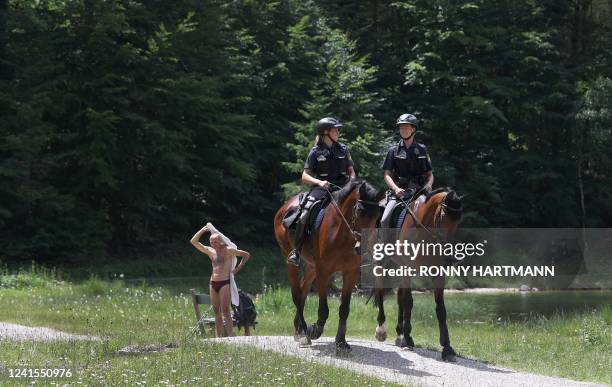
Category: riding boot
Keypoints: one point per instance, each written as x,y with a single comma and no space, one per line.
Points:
300,235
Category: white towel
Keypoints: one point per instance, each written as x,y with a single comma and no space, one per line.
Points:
231,245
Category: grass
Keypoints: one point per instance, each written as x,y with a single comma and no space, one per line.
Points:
138,315
179,266
576,346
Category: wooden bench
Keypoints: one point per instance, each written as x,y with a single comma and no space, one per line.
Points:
204,299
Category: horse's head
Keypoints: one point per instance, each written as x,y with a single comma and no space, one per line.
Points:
368,207
448,211
452,206
361,203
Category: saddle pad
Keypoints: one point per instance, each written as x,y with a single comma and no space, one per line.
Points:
318,219
400,218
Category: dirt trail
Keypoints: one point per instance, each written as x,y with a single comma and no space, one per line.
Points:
17,332
420,367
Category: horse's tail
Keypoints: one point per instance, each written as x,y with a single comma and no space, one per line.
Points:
372,292
378,295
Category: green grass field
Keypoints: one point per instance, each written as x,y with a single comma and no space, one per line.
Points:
576,346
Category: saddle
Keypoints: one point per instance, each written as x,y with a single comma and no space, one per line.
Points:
293,212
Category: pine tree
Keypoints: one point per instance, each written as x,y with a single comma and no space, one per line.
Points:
342,92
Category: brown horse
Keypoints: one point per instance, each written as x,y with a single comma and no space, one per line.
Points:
441,212
330,249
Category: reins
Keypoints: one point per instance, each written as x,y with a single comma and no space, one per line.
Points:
414,217
355,234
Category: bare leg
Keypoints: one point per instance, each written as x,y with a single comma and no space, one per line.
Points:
226,310
215,300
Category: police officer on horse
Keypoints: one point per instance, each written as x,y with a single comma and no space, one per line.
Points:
328,167
407,167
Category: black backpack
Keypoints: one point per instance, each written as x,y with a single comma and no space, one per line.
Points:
245,314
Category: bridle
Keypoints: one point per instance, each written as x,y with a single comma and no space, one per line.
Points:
355,212
437,220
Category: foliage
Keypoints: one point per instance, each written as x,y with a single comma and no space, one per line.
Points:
126,125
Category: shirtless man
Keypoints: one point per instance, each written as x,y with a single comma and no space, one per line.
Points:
221,257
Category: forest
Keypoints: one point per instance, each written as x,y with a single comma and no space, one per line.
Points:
126,125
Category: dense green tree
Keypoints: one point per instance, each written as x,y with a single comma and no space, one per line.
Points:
125,125
342,93
593,141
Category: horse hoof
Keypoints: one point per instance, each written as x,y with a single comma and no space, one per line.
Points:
342,348
314,332
399,340
448,354
410,343
304,341
381,333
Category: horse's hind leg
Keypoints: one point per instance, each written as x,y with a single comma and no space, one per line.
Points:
349,280
300,322
296,296
379,299
299,300
448,353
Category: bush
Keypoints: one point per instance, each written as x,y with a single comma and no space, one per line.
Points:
34,276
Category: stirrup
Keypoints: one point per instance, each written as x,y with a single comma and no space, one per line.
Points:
294,258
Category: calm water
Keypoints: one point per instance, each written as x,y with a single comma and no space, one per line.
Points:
546,303
514,306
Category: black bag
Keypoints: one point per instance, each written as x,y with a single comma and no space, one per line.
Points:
245,314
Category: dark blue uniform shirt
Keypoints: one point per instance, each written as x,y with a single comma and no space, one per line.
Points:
329,163
408,164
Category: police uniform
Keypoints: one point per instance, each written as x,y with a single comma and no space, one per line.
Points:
409,166
328,163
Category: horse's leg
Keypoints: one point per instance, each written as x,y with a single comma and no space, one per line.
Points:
296,296
315,330
349,279
447,351
400,318
407,323
405,339
379,300
300,322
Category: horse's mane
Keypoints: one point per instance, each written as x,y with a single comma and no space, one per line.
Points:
343,192
436,191
452,201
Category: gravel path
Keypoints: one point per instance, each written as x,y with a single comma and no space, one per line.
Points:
420,367
21,333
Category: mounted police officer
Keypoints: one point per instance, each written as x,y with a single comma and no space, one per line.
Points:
407,167
328,167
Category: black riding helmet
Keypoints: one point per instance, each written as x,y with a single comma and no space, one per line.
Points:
407,118
326,124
